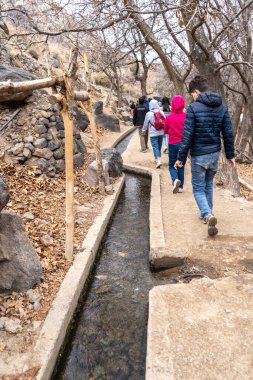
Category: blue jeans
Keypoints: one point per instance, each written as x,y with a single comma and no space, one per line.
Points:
156,142
203,170
175,173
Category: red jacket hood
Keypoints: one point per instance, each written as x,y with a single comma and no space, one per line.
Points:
177,104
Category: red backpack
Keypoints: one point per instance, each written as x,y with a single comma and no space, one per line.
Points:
159,120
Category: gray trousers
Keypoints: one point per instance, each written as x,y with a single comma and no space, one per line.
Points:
143,138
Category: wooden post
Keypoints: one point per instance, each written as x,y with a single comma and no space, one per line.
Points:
69,161
69,169
101,177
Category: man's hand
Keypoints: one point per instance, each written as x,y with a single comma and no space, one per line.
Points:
178,164
232,162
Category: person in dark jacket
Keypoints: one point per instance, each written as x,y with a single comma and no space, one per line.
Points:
206,120
138,120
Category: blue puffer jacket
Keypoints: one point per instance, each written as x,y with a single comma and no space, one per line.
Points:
206,120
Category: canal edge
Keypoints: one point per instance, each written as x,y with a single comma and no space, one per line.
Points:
61,312
157,239
122,136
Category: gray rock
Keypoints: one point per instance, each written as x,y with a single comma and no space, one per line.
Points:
18,148
33,121
28,139
14,74
4,193
51,172
48,136
40,143
33,296
14,136
40,163
98,107
40,129
108,121
53,145
28,215
75,148
43,153
91,176
43,121
78,160
46,240
80,146
109,189
114,160
11,325
60,134
52,118
36,305
27,153
81,119
30,147
59,153
59,124
19,265
60,165
126,116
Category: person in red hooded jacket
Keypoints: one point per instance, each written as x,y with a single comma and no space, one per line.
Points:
174,126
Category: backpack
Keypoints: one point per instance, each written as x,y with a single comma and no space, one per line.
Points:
159,120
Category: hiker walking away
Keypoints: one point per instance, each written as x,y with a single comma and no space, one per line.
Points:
206,119
154,123
139,114
132,107
166,110
173,126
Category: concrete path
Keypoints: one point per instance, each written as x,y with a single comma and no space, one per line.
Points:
201,331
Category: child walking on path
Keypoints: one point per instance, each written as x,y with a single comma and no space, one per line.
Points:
174,126
154,122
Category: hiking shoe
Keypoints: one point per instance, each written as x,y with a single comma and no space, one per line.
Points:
176,185
180,190
144,151
211,223
158,164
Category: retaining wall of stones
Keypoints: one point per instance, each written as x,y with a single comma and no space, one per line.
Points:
37,137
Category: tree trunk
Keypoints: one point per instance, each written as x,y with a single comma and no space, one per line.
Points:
152,41
227,176
100,171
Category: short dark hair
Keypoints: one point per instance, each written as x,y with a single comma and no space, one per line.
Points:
198,83
141,100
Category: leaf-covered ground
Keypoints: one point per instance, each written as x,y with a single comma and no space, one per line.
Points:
45,199
245,171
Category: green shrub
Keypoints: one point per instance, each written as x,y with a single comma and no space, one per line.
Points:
101,79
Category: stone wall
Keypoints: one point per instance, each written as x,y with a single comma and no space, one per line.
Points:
36,136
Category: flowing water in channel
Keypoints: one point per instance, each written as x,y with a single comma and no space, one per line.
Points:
108,339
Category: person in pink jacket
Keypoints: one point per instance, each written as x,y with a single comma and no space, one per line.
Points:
174,126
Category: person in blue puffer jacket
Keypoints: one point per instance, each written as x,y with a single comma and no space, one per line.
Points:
207,119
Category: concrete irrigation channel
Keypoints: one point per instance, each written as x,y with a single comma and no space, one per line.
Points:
108,335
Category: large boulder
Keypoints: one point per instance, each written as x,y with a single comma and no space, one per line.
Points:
98,108
15,74
4,193
91,176
19,265
114,160
108,121
81,119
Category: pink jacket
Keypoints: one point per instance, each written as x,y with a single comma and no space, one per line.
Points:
174,122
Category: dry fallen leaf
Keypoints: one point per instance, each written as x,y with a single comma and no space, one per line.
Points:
2,346
122,254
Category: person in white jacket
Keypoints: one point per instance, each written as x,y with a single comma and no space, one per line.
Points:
156,136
